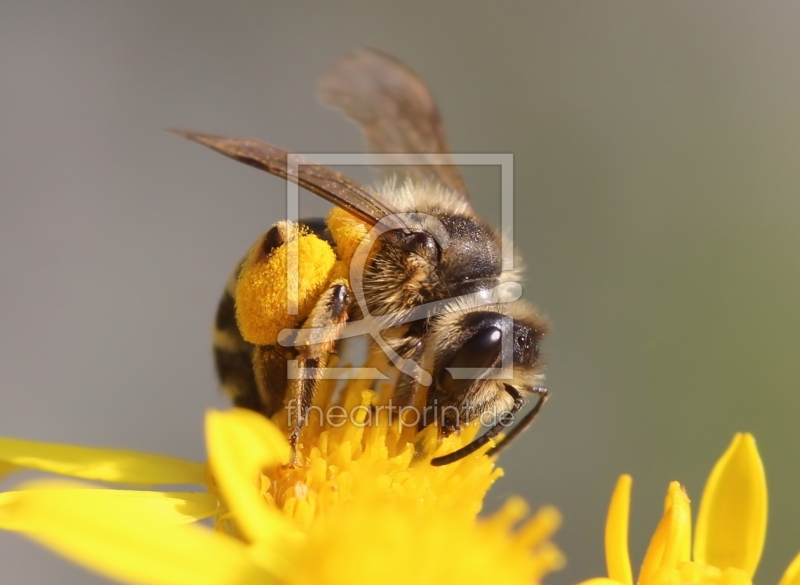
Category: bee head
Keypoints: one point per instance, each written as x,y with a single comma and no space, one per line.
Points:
484,345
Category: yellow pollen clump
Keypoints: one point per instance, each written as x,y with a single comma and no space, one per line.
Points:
261,290
348,232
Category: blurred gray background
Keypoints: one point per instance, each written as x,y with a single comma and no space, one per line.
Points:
657,153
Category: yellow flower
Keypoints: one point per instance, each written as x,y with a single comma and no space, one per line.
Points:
361,507
729,535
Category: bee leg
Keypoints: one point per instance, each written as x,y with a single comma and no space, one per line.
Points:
303,390
505,419
405,390
269,368
328,316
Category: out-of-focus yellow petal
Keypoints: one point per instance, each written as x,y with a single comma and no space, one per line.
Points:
7,469
734,576
618,560
655,550
242,443
668,544
372,541
130,543
665,576
117,465
732,520
172,508
600,581
678,545
792,574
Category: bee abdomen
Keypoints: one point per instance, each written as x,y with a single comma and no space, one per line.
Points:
233,356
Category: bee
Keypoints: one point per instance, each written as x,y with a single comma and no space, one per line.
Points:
432,250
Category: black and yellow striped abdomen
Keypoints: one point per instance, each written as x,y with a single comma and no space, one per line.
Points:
233,356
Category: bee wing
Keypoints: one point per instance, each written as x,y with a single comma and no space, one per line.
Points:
327,183
396,111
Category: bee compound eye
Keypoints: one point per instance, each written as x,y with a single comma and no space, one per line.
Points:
479,351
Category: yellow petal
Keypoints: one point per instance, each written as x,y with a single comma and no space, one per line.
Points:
600,581
129,543
678,546
7,469
241,443
172,508
792,574
668,545
734,576
655,550
117,465
618,561
732,520
666,576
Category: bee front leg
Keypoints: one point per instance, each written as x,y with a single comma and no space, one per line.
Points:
323,325
406,390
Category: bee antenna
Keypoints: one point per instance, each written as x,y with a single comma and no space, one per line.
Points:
497,428
527,420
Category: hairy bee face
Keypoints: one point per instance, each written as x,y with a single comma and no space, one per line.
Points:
477,354
411,268
430,273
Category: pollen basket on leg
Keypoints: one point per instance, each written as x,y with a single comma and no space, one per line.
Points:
262,300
